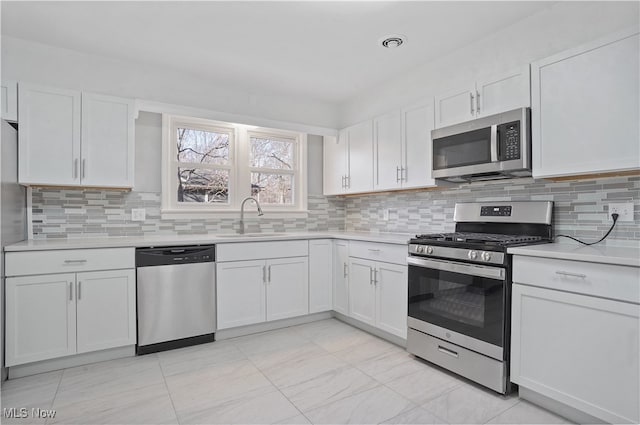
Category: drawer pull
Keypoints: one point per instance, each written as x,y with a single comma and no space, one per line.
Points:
447,351
580,275
74,261
374,250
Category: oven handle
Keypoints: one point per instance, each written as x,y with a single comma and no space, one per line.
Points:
455,267
494,143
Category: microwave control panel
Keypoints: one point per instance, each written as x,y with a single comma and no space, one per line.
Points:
510,141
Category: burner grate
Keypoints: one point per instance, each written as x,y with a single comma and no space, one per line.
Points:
479,237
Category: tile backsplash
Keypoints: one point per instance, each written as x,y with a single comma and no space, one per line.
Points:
580,206
580,210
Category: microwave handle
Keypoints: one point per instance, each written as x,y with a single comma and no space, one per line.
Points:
494,143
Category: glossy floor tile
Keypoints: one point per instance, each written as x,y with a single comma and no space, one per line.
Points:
321,372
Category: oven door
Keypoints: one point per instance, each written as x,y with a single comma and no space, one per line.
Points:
459,302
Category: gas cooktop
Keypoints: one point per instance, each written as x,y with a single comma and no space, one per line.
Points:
483,238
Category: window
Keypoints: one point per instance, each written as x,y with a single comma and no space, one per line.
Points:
210,167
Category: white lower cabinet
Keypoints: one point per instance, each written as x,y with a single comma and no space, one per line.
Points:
378,294
256,291
56,315
320,275
341,276
106,309
41,318
579,350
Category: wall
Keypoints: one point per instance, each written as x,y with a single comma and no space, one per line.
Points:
75,213
27,61
561,26
580,207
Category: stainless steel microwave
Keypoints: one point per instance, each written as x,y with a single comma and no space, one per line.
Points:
493,147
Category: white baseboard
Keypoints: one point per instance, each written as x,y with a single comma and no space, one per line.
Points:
71,361
371,329
558,408
270,326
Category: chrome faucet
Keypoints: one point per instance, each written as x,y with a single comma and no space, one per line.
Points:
242,212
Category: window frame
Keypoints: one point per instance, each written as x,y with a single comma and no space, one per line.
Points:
239,174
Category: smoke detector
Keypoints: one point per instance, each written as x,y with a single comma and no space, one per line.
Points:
392,41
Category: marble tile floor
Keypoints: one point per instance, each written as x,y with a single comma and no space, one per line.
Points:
324,372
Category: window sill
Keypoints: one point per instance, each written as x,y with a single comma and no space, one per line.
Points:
249,215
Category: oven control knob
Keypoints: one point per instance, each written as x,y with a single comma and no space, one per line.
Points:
429,250
486,256
472,255
419,248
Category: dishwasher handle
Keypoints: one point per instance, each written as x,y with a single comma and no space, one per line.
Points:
146,257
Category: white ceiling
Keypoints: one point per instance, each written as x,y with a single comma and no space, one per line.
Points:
321,50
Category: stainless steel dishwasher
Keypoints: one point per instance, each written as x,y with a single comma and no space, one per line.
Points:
176,289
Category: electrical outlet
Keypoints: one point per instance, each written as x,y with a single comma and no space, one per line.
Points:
624,211
385,214
138,214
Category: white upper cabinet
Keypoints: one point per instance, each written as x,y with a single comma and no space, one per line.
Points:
456,106
360,177
417,123
9,100
387,144
49,136
71,139
491,95
585,109
107,141
335,161
348,161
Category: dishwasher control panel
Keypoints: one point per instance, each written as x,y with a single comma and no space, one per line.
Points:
175,255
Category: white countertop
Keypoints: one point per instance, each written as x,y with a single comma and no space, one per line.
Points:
168,240
621,255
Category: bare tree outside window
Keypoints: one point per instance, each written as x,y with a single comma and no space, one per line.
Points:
272,162
200,155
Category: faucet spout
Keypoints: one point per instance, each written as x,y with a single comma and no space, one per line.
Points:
241,231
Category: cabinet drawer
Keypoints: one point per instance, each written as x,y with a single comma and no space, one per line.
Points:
600,280
68,260
388,253
261,250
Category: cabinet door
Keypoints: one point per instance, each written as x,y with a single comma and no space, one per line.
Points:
585,108
9,106
335,163
387,136
362,290
49,136
503,92
341,277
41,318
287,287
579,350
391,298
240,287
456,106
360,176
417,123
106,309
107,150
320,275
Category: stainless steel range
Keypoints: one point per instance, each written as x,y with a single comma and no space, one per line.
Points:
460,288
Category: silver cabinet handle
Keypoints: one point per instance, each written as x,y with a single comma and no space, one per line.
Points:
563,273
342,179
398,177
75,168
74,261
84,168
347,182
264,274
370,276
375,276
477,102
373,250
471,102
344,270
79,290
70,291
269,274
447,351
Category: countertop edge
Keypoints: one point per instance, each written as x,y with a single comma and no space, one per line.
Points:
575,254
